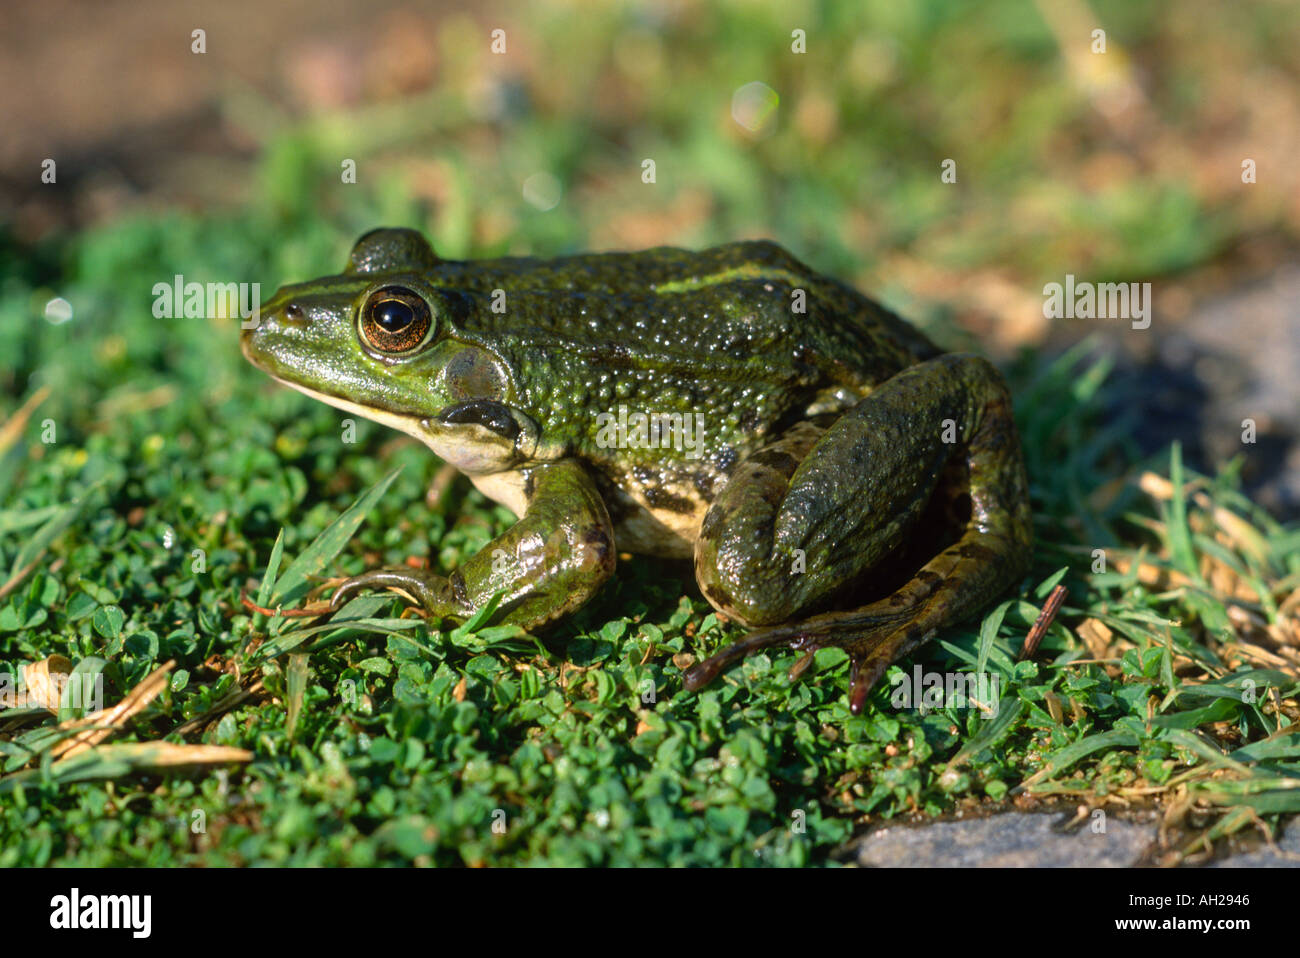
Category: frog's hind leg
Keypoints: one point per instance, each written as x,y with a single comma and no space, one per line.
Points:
815,510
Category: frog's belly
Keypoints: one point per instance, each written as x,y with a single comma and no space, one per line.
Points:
643,529
667,530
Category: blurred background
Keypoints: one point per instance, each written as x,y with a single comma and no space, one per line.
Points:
823,125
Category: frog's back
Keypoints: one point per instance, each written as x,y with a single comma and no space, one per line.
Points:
734,312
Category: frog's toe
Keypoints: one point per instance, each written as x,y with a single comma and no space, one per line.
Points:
348,590
868,660
872,637
701,674
417,586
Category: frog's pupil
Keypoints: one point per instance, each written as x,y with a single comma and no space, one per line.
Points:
393,315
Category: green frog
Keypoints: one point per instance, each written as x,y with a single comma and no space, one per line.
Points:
836,479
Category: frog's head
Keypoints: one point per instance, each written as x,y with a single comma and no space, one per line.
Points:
383,340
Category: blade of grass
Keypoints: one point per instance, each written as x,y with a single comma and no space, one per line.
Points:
990,732
1180,536
46,534
268,581
294,583
1059,761
988,632
296,688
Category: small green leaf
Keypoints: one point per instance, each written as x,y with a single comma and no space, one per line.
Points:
377,664
108,621
79,606
1047,585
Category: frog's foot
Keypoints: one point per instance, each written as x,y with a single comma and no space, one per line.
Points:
818,509
874,637
434,594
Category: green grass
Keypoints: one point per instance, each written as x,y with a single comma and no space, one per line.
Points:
410,745
389,743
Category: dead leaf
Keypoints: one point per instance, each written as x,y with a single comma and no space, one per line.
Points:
45,681
171,755
1096,636
100,725
106,761
15,424
1157,487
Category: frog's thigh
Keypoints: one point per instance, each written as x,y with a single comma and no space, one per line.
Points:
797,521
799,518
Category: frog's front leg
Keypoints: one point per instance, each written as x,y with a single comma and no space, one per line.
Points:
547,564
817,509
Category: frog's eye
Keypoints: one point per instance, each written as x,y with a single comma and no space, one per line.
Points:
394,320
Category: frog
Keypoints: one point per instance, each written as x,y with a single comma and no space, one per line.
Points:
836,479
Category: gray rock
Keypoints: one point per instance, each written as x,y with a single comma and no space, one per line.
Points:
1014,839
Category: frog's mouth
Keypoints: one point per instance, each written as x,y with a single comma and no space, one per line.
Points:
475,437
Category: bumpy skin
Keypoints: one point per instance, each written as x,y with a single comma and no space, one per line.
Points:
848,484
